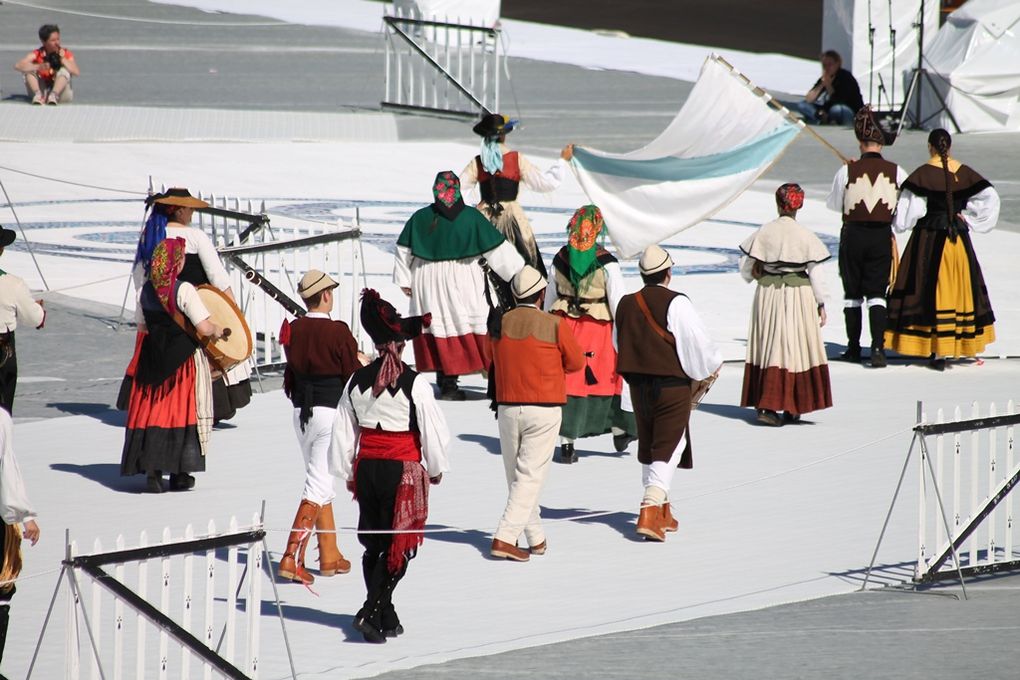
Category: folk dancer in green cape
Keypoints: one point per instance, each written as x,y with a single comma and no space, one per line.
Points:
438,264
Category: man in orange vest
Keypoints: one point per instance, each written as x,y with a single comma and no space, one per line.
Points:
532,355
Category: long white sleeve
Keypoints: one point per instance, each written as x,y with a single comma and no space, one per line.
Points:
434,433
469,176
197,241
834,201
542,182
909,209
504,260
616,287
698,354
816,274
982,211
402,267
15,507
746,264
551,292
343,444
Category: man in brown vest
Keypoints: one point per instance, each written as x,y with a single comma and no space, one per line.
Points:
663,347
865,191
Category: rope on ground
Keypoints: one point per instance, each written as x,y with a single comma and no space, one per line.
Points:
67,181
605,513
143,20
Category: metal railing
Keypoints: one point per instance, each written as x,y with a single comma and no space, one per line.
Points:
447,68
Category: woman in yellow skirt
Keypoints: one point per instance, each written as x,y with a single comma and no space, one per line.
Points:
939,305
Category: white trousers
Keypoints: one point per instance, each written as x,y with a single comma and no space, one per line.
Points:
527,438
661,474
314,443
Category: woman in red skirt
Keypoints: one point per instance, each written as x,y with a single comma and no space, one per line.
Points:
170,410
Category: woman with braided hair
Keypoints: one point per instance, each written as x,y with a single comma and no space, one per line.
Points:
939,305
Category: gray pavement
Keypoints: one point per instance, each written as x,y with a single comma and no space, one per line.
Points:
75,364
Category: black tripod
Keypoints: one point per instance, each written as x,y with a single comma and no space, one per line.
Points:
917,80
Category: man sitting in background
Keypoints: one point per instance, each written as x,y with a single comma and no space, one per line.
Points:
835,97
48,69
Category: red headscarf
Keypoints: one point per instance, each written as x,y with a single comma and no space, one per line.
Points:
790,197
166,264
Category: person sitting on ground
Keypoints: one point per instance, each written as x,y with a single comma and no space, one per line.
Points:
48,69
835,97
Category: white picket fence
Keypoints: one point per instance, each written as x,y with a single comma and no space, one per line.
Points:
343,260
969,473
443,66
211,597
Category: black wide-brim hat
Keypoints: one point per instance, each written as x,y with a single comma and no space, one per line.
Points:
493,125
7,236
383,322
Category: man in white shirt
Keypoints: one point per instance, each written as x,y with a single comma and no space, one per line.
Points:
664,352
16,304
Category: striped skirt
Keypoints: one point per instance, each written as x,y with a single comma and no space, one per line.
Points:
786,368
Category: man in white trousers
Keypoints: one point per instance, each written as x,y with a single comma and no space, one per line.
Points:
531,356
665,353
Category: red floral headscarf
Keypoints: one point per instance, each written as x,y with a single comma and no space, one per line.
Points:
789,197
446,190
167,260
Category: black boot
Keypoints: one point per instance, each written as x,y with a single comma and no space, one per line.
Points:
567,453
854,322
876,321
448,390
154,482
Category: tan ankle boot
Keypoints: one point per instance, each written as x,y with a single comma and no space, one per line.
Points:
669,522
649,523
292,565
331,560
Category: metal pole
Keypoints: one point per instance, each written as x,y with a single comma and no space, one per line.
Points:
24,238
46,623
942,511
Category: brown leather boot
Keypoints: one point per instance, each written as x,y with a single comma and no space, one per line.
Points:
649,523
669,522
331,560
292,565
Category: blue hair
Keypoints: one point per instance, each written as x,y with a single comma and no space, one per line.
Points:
153,232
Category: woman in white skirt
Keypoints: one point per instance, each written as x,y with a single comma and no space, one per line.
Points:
786,369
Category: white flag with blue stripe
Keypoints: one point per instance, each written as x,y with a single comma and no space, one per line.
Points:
724,137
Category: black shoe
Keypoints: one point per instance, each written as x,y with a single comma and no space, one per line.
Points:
622,441
181,482
567,454
394,632
791,417
852,354
154,483
878,359
766,417
937,364
368,631
452,395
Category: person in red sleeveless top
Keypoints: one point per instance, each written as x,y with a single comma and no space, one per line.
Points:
498,172
389,442
48,69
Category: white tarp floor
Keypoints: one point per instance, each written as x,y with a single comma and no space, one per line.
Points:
767,515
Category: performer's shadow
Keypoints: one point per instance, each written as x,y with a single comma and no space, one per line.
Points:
490,444
107,474
480,540
623,522
101,412
730,411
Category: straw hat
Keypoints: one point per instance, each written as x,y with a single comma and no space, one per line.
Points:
179,196
527,282
654,259
313,282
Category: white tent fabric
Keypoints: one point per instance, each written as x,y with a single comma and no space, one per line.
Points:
868,54
724,137
974,63
478,12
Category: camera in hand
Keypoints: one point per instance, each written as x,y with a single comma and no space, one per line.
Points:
53,59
